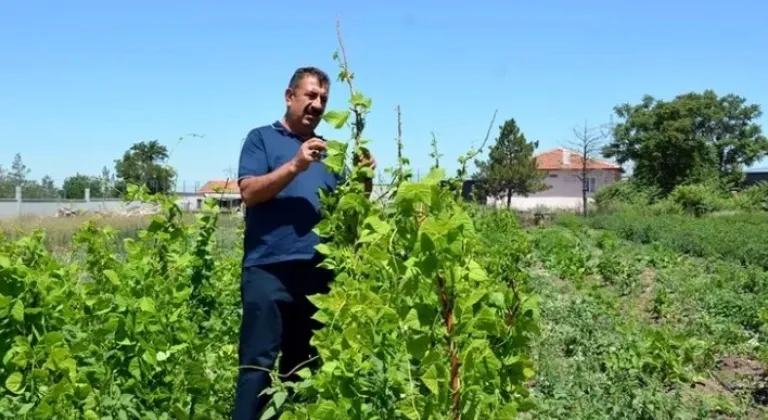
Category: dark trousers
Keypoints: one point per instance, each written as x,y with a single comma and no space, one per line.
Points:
277,317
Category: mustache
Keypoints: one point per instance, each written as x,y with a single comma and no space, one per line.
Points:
313,111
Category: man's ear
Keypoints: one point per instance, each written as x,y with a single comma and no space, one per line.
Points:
288,96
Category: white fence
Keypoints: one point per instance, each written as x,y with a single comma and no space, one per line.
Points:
541,203
19,207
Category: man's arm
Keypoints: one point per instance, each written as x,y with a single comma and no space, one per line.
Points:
257,189
258,184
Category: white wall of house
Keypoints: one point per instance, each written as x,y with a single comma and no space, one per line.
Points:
568,183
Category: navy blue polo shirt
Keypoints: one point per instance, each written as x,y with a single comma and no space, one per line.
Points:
281,229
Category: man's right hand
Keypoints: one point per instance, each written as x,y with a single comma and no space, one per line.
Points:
310,151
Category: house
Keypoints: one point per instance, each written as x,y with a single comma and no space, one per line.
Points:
225,191
754,176
564,172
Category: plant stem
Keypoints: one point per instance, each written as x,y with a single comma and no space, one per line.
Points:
447,304
359,121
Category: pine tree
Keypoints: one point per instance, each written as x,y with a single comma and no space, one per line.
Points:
511,167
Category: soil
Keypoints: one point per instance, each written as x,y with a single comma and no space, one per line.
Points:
739,377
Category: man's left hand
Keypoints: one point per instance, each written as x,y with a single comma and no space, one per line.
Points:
368,160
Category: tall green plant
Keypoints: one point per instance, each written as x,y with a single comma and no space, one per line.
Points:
414,325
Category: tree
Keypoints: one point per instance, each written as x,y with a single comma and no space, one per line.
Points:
45,189
17,177
511,168
587,142
19,171
144,164
6,187
74,186
110,187
695,137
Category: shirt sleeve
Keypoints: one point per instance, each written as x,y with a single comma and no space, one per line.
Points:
253,157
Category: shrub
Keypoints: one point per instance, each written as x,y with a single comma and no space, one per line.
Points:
753,198
624,194
698,199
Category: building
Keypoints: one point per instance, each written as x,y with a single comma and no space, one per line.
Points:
755,176
225,191
564,169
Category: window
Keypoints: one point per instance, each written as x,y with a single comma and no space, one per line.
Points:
590,184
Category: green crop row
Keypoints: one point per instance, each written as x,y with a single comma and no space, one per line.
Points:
736,238
637,331
142,328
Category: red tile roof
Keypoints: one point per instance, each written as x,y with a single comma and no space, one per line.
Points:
553,160
220,185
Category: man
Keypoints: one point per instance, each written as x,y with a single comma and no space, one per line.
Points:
279,178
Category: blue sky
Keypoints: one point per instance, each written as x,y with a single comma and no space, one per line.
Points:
80,81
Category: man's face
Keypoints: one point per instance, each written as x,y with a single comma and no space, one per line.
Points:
306,104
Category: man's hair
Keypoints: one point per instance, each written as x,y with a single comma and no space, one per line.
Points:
303,72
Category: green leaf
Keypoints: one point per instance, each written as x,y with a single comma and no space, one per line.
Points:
411,321
134,368
474,297
17,312
329,367
421,193
146,304
508,411
5,303
358,99
336,154
268,413
496,299
477,273
378,225
15,382
487,320
323,249
337,119
528,373
112,277
279,398
430,379
434,176
417,345
25,408
408,410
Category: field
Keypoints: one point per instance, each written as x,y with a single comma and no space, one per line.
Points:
59,232
638,330
439,309
140,320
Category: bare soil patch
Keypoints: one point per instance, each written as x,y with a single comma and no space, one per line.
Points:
738,377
